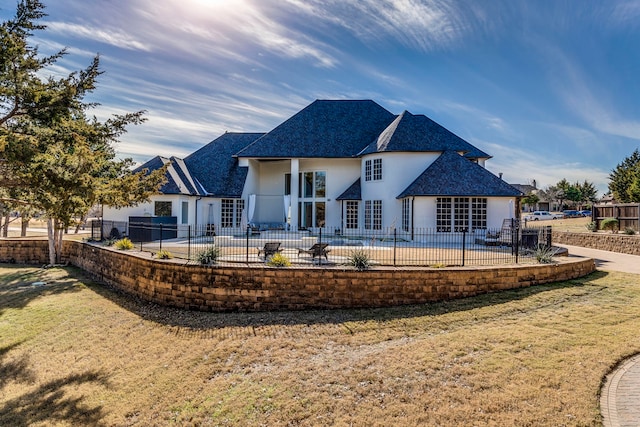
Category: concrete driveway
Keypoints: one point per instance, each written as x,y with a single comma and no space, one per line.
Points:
607,261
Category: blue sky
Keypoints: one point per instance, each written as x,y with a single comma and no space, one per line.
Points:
549,88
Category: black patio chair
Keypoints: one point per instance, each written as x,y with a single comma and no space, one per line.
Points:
269,249
318,250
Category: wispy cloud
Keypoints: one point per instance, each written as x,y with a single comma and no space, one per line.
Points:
111,36
423,25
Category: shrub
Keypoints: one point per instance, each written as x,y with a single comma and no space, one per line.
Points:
439,265
629,231
279,260
109,242
609,224
124,244
592,226
544,254
164,254
359,259
208,256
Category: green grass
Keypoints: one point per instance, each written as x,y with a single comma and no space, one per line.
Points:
76,353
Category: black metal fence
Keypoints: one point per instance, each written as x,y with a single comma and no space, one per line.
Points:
510,244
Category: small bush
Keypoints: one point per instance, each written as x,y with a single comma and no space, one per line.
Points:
163,254
592,226
359,259
610,224
208,256
439,265
544,254
279,260
630,231
109,242
124,244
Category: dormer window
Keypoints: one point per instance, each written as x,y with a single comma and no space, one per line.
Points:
373,170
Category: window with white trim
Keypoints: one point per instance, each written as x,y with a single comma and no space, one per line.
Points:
377,169
373,214
367,214
406,213
373,170
352,214
478,213
162,208
443,214
377,214
312,198
231,213
461,214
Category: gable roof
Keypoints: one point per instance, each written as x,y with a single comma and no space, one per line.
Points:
216,168
409,132
354,192
453,175
179,179
325,128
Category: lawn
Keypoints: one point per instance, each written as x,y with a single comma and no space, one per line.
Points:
73,352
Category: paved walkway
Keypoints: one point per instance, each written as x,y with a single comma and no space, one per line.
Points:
620,396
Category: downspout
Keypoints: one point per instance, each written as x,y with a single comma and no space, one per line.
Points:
413,201
199,198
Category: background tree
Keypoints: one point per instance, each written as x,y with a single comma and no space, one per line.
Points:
531,199
61,161
588,191
624,180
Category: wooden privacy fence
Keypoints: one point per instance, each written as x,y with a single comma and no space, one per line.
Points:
627,214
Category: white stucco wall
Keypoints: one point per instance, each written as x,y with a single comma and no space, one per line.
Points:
399,170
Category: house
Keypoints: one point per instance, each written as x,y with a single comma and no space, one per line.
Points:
344,164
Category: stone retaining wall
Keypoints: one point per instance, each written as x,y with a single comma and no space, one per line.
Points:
236,288
622,243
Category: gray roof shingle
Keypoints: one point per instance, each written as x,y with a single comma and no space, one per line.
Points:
354,192
215,167
325,128
453,175
409,132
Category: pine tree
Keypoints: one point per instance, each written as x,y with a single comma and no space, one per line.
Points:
624,179
60,161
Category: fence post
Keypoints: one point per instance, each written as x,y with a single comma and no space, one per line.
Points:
248,231
189,241
515,227
320,235
160,237
395,242
464,243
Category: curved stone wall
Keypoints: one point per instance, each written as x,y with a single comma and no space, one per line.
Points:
237,288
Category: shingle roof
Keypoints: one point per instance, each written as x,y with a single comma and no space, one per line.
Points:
354,192
409,132
325,128
179,180
453,175
215,167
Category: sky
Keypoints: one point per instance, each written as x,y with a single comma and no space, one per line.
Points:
549,88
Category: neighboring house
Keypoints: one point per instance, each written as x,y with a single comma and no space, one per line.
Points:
346,164
543,203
